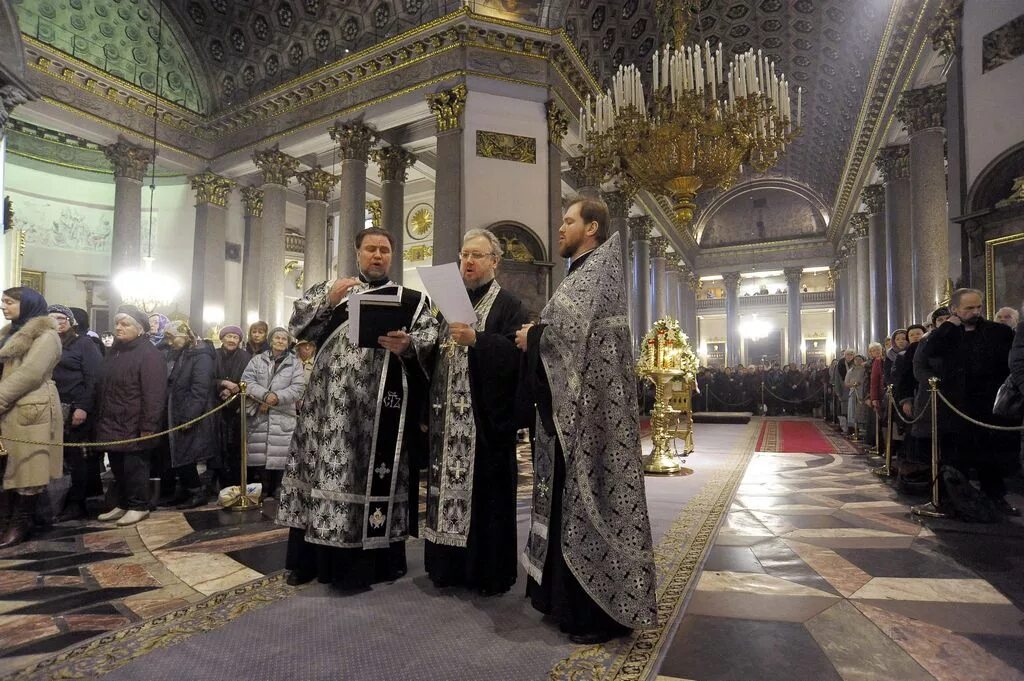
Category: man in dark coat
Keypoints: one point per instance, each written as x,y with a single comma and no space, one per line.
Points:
969,354
471,494
231,362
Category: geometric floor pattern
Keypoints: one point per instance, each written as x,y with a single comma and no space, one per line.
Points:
820,572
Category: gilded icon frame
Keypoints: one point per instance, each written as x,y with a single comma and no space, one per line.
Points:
995,251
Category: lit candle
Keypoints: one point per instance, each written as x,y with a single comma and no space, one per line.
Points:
799,105
719,63
654,72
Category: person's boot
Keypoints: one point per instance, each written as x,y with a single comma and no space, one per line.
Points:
194,499
6,503
73,510
20,527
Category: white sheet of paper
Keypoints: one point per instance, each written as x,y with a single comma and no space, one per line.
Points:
446,289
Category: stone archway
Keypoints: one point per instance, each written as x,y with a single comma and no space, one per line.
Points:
524,268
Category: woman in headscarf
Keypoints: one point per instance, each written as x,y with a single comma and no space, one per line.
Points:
855,385
190,393
231,362
157,325
75,376
29,408
257,341
274,378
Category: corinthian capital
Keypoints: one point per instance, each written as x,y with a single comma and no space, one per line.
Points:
923,108
318,183
874,197
618,204
129,160
211,188
731,280
10,97
659,245
859,226
943,28
894,162
393,163
276,165
252,201
354,140
447,107
640,227
558,123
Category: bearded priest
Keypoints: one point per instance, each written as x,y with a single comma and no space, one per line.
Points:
470,531
589,556
347,494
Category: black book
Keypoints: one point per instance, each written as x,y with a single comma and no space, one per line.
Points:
379,314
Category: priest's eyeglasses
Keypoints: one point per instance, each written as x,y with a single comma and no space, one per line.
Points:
465,255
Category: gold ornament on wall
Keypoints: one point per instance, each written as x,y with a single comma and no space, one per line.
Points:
376,210
505,147
419,253
420,221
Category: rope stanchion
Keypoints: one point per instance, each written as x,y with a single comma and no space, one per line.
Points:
800,401
885,470
243,502
933,508
990,426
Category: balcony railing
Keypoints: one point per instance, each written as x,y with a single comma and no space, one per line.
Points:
772,300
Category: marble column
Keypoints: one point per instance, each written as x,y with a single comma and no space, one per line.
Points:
130,163
354,141
640,289
874,199
732,318
835,271
394,163
277,168
252,248
619,204
318,184
672,299
794,327
659,245
862,331
852,292
690,285
449,205
923,111
206,307
558,126
894,164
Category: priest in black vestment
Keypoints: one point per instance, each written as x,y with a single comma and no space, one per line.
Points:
470,530
589,555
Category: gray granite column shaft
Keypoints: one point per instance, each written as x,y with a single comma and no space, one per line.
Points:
658,284
272,255
879,291
688,297
893,162
207,307
351,213
794,326
930,219
314,262
732,318
130,163
252,248
862,332
640,290
394,162
449,208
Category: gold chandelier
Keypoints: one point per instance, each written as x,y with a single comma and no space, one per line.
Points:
707,119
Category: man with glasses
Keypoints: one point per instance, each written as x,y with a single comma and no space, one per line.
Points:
589,554
471,493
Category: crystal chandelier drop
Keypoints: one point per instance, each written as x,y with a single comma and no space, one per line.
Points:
146,289
705,120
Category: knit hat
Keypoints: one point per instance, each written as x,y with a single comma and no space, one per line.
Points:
66,311
237,330
137,316
280,329
81,317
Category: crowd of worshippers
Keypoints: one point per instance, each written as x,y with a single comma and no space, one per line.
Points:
772,390
340,431
971,357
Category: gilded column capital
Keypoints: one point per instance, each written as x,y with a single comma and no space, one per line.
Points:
354,140
318,183
10,97
944,27
447,107
672,260
874,197
833,275
393,163
211,188
859,226
275,165
618,203
923,109
640,227
793,273
731,280
558,123
375,207
694,282
252,201
659,245
129,160
894,162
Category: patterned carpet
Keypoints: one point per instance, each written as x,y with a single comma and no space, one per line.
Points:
795,436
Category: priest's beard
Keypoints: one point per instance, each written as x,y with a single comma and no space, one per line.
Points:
474,285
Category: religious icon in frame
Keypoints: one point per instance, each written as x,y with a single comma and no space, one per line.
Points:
34,279
1004,273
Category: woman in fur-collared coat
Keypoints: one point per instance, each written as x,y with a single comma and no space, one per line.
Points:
29,408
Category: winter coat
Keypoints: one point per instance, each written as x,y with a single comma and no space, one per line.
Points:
1017,366
30,404
131,394
75,374
270,434
191,393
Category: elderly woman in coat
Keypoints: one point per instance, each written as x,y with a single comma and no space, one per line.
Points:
29,409
276,379
855,383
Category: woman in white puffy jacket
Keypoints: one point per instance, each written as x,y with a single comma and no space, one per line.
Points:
277,380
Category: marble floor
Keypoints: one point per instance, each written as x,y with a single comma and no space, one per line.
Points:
820,572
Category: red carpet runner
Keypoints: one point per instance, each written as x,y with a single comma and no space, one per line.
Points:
793,437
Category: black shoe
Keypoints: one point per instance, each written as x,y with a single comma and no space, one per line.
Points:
1005,507
592,638
295,578
75,510
20,527
173,501
196,499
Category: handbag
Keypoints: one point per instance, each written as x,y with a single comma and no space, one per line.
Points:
1009,401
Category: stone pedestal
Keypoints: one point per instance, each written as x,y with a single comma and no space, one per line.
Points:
732,318
252,248
394,162
659,290
558,126
640,289
318,184
894,164
354,141
449,206
862,305
874,198
794,327
206,308
130,163
277,168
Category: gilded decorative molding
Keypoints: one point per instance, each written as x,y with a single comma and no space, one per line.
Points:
873,196
659,245
618,202
944,27
354,140
505,147
211,188
393,163
129,160
558,123
731,280
447,107
859,226
318,183
694,282
923,109
672,260
894,162
276,165
1016,194
376,210
419,253
252,201
640,227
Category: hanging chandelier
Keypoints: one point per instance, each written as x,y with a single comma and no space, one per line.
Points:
705,120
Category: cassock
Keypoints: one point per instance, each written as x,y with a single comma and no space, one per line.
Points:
470,529
589,555
346,491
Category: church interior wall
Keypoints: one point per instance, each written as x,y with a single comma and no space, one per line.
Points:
993,98
418,200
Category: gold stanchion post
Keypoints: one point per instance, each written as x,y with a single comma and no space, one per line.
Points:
933,509
244,503
886,470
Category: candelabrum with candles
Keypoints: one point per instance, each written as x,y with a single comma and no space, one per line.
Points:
705,120
666,358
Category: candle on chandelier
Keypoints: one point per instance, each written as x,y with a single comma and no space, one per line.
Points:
799,104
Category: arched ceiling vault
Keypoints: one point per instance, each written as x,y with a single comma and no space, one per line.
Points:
766,209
